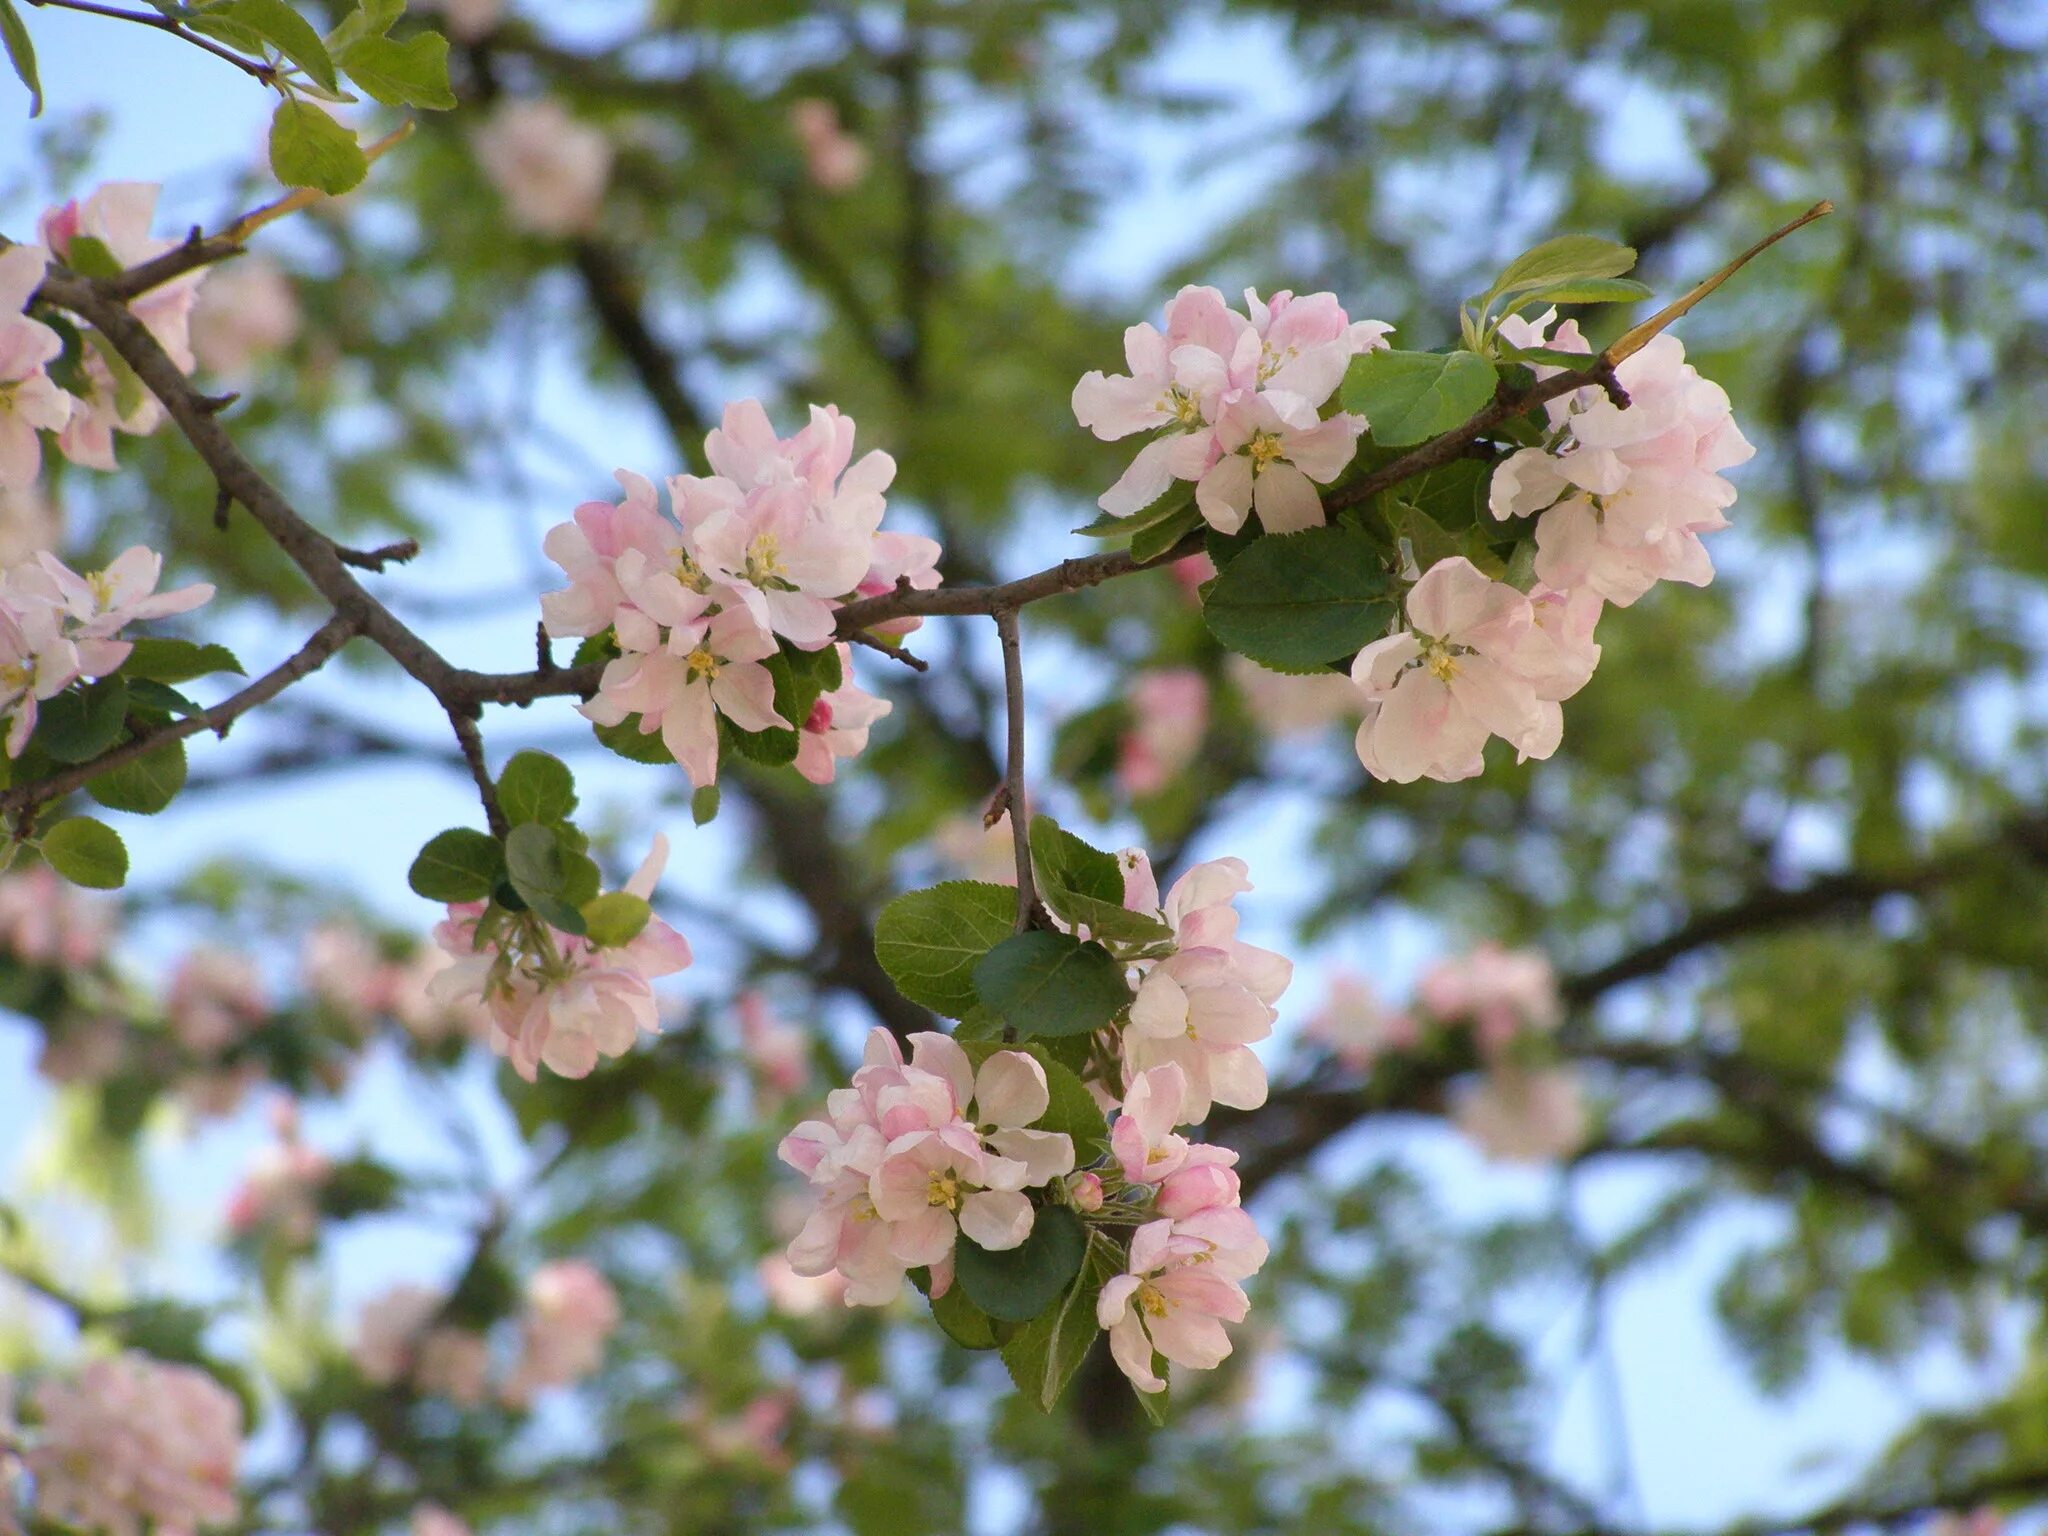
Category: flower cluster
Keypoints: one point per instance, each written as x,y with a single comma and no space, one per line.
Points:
100,395
401,1337
406,1335
1622,493
349,973
47,921
914,1154
1180,1284
1205,1004
555,999
132,1443
571,1310
1524,1105
1235,402
550,169
1169,717
757,558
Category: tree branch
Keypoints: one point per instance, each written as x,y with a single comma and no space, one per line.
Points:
1013,772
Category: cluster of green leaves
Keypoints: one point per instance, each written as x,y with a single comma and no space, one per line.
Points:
88,720
308,146
541,865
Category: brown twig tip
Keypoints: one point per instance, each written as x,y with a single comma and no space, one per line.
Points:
376,559
543,649
213,405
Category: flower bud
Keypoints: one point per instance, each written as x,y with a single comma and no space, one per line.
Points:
1084,1191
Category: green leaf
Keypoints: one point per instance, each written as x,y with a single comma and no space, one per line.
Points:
80,723
536,786
1018,1284
167,660
413,73
615,919
703,804
962,1321
1408,397
153,699
129,390
800,677
87,852
1294,601
1043,1355
89,256
550,877
310,149
21,53
460,864
1151,542
1424,540
930,940
369,18
1067,864
773,748
1051,984
1584,290
274,23
628,741
1562,259
1154,1403
144,786
1549,356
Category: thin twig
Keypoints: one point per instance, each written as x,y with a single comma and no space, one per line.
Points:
893,652
472,740
376,559
1013,776
325,641
265,73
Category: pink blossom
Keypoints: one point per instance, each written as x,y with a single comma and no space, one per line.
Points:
118,215
775,553
1205,1005
681,694
1235,403
44,920
1191,573
550,169
132,1442
1084,1191
1187,1177
97,606
248,312
280,1191
778,1052
433,1520
554,999
837,725
900,559
1355,1025
1172,1300
795,1295
215,997
84,1050
588,550
29,402
1626,492
29,521
36,663
834,159
571,1310
1501,993
1284,704
1520,1115
399,1338
1471,663
1169,718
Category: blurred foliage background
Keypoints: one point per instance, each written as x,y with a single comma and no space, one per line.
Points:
1791,862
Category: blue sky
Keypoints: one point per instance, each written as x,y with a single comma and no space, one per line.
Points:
1703,1445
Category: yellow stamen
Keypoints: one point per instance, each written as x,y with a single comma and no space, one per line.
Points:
702,664
1263,449
942,1189
1150,1301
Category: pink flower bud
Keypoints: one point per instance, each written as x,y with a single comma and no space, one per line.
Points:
1197,1188
1084,1192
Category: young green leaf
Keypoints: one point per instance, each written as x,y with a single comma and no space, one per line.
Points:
1067,863
310,149
1151,542
1583,290
962,1321
1018,1284
80,723
615,919
550,876
1043,1355
144,786
87,852
21,53
1408,397
167,660
630,742
930,940
536,786
270,22
703,803
458,865
413,73
1051,984
1562,259
1294,601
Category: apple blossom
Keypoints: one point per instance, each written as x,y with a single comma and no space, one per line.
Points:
400,1338
1169,717
682,694
777,1052
837,725
45,920
433,1520
247,313
215,997
1524,1115
1470,663
834,159
29,401
280,1189
550,169
1356,1026
29,521
131,1443
1203,1006
1501,993
1172,1300
94,608
118,215
554,999
1625,492
571,1309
